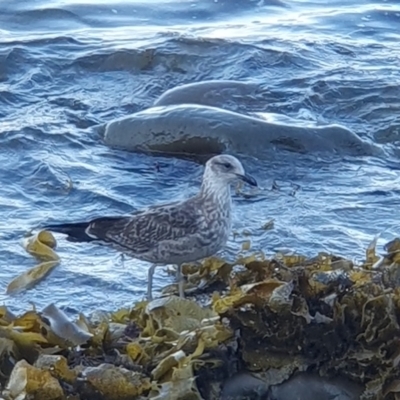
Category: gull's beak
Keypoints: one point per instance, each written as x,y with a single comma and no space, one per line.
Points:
248,179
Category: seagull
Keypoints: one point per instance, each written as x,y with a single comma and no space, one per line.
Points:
171,233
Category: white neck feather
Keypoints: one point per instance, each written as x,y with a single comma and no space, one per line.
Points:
216,189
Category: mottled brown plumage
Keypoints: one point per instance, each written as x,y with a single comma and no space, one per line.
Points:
173,233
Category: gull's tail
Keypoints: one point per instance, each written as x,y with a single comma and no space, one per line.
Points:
76,232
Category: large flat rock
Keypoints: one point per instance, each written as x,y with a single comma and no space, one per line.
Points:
198,129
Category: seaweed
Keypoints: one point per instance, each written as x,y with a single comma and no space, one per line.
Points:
260,327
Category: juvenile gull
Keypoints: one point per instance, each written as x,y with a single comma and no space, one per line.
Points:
171,233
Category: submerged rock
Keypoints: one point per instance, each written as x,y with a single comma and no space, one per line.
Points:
195,129
209,93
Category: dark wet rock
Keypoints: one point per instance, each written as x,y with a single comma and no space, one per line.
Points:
301,386
209,93
306,386
245,386
196,129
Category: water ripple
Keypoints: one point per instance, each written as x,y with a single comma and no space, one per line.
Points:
67,66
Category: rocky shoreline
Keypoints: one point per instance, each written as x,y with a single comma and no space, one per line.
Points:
277,328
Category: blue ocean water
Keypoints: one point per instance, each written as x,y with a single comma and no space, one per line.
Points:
66,66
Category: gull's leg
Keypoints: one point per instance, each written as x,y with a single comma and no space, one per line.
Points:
179,278
150,282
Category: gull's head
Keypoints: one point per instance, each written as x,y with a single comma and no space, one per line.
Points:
226,169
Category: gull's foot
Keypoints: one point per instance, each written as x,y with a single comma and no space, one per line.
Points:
180,288
179,278
150,282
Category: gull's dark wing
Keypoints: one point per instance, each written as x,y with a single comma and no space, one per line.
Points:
142,231
138,232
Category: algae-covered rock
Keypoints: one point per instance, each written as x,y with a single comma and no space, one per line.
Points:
28,382
58,367
109,382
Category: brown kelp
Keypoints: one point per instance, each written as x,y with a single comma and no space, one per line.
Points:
261,325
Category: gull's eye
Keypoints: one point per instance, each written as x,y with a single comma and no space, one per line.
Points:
227,165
